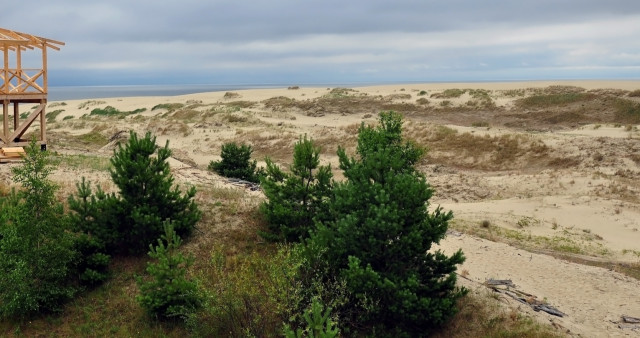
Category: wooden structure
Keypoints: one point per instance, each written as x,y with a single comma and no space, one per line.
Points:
20,85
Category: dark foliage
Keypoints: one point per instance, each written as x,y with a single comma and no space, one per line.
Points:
128,222
295,199
236,163
380,240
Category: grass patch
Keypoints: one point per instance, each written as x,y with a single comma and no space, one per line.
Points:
449,93
241,104
81,161
230,95
481,314
627,111
57,104
480,124
547,100
467,150
51,116
87,104
168,106
93,138
111,111
340,92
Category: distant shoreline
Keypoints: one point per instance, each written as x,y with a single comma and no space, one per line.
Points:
61,93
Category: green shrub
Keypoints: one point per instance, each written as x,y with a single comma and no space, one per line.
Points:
37,255
295,199
250,293
131,220
379,241
111,111
236,163
168,293
319,323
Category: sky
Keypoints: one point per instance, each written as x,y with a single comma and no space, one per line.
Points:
289,42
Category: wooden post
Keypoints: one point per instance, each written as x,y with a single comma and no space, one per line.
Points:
5,118
45,81
5,85
43,129
16,115
19,67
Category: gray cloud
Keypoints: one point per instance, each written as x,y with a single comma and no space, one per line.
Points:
315,40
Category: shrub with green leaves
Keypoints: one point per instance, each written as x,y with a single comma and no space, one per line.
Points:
319,323
168,293
236,163
37,255
296,199
380,241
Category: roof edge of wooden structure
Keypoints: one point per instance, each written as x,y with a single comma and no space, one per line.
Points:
12,39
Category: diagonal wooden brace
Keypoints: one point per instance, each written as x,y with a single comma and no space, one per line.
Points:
27,123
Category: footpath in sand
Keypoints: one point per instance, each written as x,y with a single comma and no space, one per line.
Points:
593,298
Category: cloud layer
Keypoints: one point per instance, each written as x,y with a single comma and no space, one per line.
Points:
286,41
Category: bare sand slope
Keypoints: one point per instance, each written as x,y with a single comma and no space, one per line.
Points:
592,298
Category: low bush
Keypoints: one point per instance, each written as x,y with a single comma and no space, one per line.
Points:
37,254
236,163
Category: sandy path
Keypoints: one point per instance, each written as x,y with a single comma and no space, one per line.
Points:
593,298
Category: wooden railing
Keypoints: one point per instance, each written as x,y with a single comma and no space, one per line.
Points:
22,81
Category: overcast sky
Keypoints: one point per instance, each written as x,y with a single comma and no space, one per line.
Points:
348,41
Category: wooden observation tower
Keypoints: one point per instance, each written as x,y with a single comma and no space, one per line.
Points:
23,85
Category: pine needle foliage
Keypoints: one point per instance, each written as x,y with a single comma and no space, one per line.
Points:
296,199
236,163
168,294
129,221
380,240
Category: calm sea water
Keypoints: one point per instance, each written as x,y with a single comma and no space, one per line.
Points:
98,92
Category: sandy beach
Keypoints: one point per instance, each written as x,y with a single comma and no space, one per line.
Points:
542,177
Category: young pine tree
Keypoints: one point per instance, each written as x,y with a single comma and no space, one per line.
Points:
168,293
146,194
296,199
380,240
131,220
37,255
236,163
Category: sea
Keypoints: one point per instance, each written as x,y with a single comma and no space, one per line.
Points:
62,93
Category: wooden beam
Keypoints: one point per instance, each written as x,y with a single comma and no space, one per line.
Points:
27,123
16,115
5,120
43,125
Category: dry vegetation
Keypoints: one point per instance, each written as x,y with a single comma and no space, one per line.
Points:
478,142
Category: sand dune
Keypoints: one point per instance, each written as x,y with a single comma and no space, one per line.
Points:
557,175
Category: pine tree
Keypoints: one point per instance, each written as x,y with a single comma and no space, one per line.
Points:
168,293
295,199
129,221
146,194
381,238
236,163
37,255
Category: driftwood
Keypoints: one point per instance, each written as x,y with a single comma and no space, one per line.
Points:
522,297
495,282
629,319
250,185
628,322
